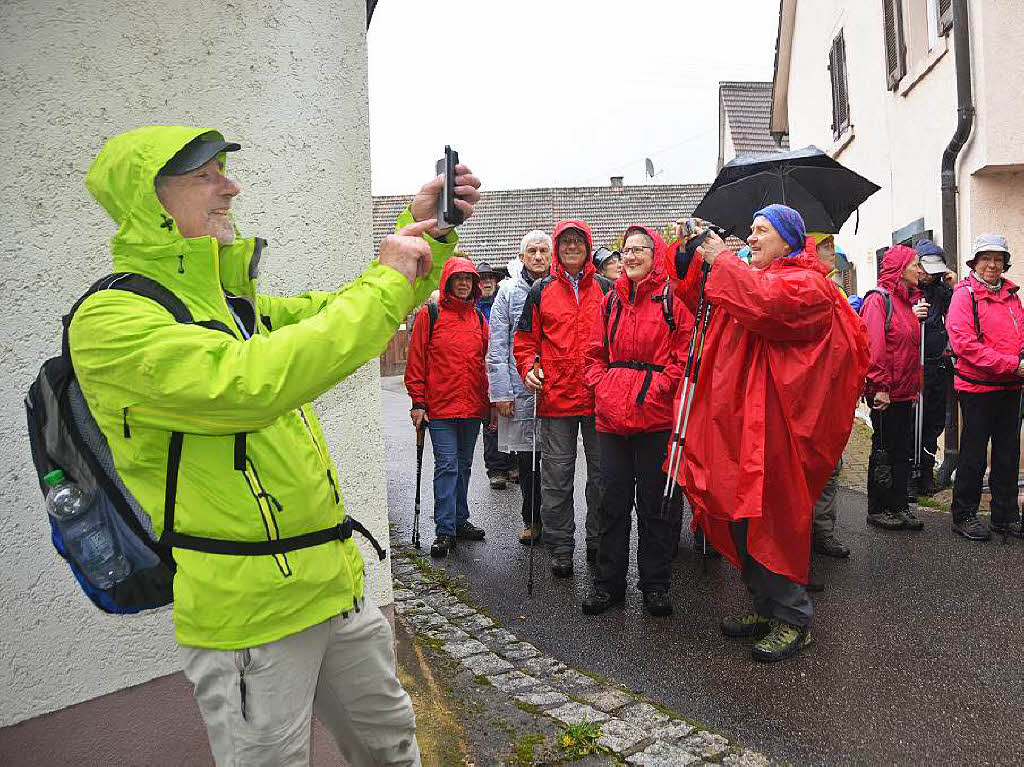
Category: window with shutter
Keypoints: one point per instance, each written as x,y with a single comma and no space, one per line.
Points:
895,43
840,87
945,16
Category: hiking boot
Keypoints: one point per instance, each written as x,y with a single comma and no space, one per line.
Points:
591,554
530,535
830,546
815,582
513,475
783,641
1010,528
561,567
746,626
885,519
498,480
909,520
972,529
467,531
443,545
600,600
657,603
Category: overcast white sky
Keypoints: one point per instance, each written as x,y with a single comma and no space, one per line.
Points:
558,92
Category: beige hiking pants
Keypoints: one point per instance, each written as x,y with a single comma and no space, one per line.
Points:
257,702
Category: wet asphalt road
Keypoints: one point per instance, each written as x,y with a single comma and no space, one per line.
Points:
919,637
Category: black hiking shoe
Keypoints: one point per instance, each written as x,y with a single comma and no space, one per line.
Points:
926,485
467,531
783,642
830,546
749,626
885,519
909,519
443,545
600,600
815,581
657,603
561,567
1010,528
498,481
972,529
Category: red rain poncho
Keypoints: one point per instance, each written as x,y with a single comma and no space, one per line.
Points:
783,366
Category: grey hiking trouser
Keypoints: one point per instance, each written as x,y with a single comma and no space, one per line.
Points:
827,505
774,596
344,666
557,473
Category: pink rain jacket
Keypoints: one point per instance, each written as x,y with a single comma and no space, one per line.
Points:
895,356
995,357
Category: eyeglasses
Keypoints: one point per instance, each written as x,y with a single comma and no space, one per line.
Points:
571,239
636,250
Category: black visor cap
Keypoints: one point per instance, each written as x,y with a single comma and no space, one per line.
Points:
195,154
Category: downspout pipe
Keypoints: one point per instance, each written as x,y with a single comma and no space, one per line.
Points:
950,223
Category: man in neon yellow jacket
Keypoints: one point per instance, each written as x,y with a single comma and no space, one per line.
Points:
211,429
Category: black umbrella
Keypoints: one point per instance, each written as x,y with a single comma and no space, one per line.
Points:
808,180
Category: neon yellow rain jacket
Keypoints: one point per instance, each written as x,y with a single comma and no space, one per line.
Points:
145,376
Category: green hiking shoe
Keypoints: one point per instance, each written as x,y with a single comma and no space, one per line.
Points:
749,626
783,641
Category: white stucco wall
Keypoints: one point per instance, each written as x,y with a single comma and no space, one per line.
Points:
898,137
286,78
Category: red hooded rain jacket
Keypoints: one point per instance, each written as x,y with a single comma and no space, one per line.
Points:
632,328
783,366
445,374
556,324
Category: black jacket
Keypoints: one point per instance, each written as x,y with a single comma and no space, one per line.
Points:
938,295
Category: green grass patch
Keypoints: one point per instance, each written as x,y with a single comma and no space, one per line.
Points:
529,708
481,679
524,749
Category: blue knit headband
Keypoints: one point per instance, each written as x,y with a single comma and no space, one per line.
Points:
788,223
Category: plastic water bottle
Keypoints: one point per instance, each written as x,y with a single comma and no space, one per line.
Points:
87,539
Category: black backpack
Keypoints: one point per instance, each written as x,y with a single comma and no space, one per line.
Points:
64,435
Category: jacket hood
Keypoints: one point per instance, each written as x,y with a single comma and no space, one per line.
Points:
660,272
557,268
459,265
804,259
895,260
122,179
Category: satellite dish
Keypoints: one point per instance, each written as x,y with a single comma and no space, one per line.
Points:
650,167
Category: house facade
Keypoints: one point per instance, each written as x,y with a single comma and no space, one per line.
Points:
873,83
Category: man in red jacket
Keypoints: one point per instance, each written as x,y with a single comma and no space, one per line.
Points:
784,362
555,326
445,378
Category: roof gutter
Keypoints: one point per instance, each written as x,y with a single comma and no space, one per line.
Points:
950,223
778,124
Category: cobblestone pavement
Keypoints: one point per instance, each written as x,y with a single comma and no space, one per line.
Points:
632,728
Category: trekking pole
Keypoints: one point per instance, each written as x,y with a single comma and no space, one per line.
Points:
678,440
534,479
919,416
420,434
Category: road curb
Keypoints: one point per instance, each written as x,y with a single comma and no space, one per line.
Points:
633,728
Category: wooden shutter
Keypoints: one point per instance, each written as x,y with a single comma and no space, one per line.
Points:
945,15
840,86
895,45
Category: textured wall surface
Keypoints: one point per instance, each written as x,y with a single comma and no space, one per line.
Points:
286,78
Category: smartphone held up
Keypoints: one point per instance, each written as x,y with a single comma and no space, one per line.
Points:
448,213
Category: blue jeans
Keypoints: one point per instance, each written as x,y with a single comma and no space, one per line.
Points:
452,440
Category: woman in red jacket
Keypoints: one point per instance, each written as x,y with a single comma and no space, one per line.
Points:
986,332
634,361
446,379
893,320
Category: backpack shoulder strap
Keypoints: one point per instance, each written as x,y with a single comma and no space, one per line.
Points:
432,312
974,309
667,307
138,284
481,318
532,300
886,303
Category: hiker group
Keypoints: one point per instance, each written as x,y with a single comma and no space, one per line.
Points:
698,378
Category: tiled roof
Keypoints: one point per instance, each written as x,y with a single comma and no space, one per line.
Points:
503,216
748,107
